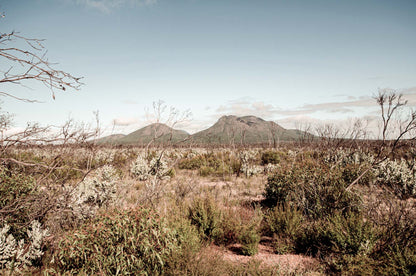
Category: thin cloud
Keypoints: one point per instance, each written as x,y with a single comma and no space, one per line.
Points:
248,106
245,107
331,107
106,6
125,121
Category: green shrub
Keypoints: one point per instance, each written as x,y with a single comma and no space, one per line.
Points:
191,164
19,201
249,239
284,222
279,186
270,157
127,242
341,240
231,226
236,166
351,172
14,186
205,214
206,171
250,234
316,190
396,246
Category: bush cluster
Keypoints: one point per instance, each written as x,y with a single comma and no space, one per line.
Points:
225,226
131,242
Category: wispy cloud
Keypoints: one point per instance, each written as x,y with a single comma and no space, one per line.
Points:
106,6
246,106
125,121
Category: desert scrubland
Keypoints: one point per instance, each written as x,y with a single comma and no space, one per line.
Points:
293,210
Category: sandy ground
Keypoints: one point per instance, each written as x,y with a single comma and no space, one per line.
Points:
286,263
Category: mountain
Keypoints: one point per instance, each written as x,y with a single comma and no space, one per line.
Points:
110,139
227,130
160,132
244,130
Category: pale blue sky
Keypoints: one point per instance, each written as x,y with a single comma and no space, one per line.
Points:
281,60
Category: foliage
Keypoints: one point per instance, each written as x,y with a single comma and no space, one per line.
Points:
270,157
206,215
395,250
215,164
96,191
284,222
338,236
20,201
130,242
399,175
250,234
248,166
17,255
315,190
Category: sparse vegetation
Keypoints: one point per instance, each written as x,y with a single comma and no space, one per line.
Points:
304,208
181,211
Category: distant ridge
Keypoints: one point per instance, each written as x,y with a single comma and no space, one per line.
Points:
158,132
110,139
244,130
227,130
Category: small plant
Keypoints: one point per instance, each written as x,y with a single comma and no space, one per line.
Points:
270,157
399,176
94,192
250,234
206,215
284,222
17,255
342,240
153,166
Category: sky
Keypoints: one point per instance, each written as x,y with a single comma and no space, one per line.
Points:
287,61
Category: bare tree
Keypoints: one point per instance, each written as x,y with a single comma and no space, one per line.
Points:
24,60
274,130
396,127
162,115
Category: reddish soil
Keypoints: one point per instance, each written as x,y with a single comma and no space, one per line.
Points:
287,263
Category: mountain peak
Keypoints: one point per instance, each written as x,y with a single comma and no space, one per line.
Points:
244,130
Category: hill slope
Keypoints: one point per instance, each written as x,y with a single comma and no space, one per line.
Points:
110,139
244,130
160,132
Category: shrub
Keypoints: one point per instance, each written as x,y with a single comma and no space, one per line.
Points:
127,242
191,163
396,246
155,165
206,215
20,201
316,191
341,240
95,191
399,176
17,255
284,222
248,166
250,234
279,186
270,157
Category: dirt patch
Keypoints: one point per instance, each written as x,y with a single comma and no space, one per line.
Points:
286,264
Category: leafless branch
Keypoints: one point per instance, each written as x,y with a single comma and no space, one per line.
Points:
21,65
